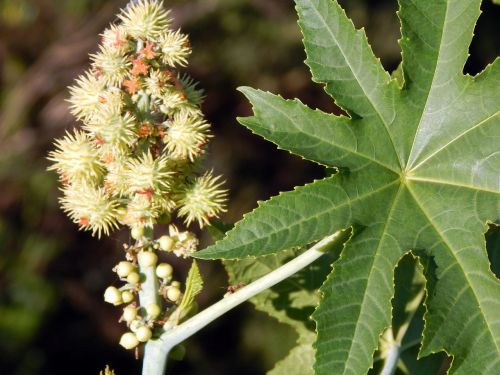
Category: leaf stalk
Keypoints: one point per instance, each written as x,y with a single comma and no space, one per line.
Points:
157,350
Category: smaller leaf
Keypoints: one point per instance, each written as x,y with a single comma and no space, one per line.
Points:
194,286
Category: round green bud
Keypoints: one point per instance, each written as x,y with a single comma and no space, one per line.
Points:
135,325
129,313
153,310
143,334
166,243
137,232
177,284
127,296
129,340
164,270
147,258
173,294
113,295
124,268
133,278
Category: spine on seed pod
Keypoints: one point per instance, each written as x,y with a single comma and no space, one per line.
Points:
135,162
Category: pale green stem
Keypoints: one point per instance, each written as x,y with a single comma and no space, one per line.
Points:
391,360
148,294
392,355
157,350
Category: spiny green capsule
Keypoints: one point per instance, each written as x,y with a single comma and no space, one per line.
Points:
129,340
147,258
112,295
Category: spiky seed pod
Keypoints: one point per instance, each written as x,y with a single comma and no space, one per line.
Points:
111,65
141,212
170,100
175,48
147,175
86,95
202,200
116,182
76,159
115,38
91,208
145,19
185,136
113,129
111,101
155,83
194,95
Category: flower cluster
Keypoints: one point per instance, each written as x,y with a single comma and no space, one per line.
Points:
142,320
136,158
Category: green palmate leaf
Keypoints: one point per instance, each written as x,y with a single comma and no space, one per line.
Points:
418,163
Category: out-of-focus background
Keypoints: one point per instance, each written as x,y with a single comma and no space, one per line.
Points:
52,316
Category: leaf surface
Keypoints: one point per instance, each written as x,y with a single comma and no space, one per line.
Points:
418,163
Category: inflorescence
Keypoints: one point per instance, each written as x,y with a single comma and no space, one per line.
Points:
136,159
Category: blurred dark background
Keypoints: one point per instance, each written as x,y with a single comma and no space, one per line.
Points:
52,316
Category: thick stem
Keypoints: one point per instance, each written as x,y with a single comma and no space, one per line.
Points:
159,348
391,361
148,294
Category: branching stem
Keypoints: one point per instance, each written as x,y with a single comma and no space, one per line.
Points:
157,350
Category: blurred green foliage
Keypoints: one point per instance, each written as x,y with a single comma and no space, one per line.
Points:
51,276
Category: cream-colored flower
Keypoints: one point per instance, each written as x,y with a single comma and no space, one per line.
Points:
185,242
